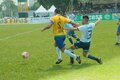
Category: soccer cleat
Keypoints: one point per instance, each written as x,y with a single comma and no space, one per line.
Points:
117,43
59,61
71,60
78,60
99,60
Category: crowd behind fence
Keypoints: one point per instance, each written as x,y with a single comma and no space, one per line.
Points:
90,8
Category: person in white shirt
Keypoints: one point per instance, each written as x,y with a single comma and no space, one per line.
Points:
84,43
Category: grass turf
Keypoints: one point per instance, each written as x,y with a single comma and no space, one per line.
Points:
15,39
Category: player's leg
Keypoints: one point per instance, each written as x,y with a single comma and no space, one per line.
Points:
71,49
72,33
87,55
58,51
69,36
75,46
71,41
118,39
74,36
118,36
60,43
68,52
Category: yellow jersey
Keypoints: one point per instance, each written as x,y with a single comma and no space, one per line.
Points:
58,24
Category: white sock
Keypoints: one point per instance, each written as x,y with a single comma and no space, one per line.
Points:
58,53
70,54
70,50
117,39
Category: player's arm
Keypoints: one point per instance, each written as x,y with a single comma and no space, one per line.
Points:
79,28
70,22
48,27
71,28
74,24
99,19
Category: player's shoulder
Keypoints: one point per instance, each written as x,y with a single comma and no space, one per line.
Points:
53,18
81,27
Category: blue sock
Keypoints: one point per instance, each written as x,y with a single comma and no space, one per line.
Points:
92,57
77,39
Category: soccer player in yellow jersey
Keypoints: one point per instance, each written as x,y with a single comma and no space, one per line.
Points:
58,21
118,32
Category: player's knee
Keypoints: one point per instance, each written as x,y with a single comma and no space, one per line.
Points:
55,45
117,34
62,50
72,47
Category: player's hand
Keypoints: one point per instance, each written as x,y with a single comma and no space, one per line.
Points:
100,18
75,25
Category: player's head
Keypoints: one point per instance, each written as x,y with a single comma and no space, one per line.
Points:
85,19
64,15
57,11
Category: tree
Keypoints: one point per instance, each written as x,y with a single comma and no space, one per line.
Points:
60,4
9,8
35,6
0,8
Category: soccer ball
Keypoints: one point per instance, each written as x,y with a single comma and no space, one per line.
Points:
25,55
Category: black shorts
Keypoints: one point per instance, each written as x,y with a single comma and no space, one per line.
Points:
84,45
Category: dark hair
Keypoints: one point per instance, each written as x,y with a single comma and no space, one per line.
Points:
57,11
86,17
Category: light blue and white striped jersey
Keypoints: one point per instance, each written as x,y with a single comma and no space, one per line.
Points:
86,32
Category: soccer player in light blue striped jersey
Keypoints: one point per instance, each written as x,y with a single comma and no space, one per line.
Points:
118,32
85,40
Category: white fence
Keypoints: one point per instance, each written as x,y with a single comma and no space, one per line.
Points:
25,20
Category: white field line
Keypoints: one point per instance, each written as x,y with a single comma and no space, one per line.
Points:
13,36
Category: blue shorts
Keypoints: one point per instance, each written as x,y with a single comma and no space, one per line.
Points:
59,41
84,46
71,33
118,30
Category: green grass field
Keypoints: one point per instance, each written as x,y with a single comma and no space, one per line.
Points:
14,39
